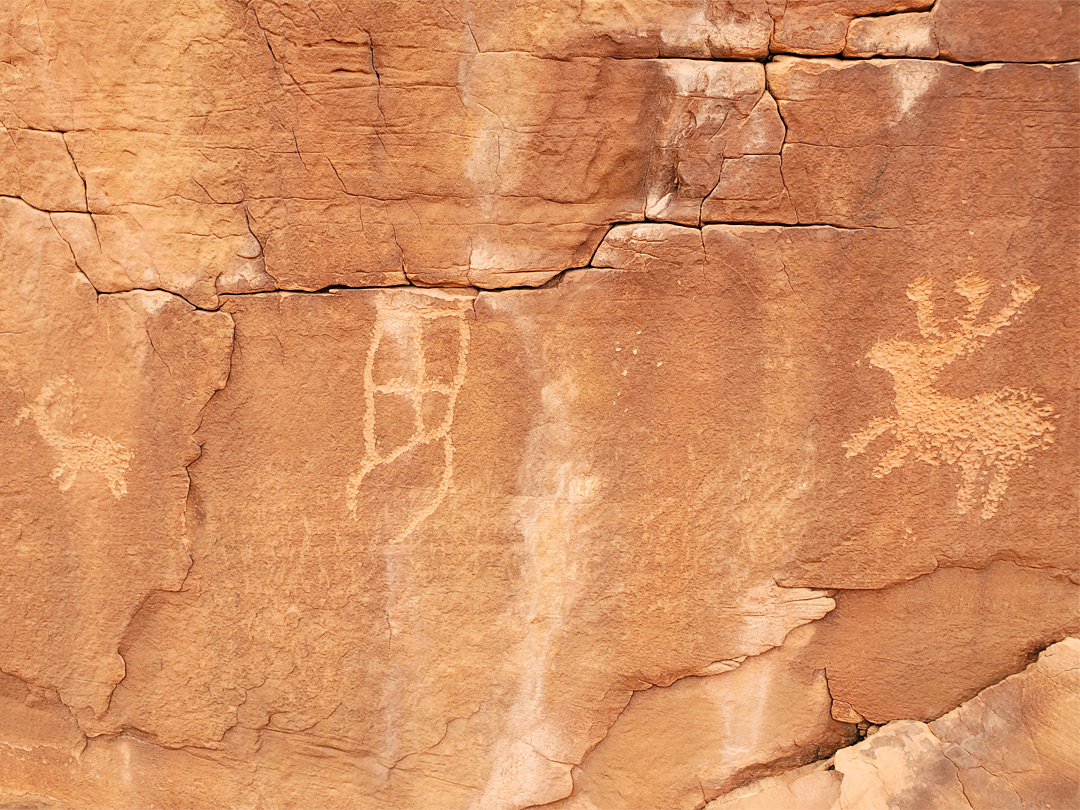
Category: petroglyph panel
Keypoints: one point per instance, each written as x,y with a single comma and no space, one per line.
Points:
54,414
419,372
565,477
792,449
929,378
985,435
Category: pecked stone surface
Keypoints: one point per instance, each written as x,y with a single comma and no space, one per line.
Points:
917,464
794,456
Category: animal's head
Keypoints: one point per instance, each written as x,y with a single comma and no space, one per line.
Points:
56,401
977,291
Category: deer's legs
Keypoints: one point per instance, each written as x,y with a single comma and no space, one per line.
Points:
995,491
64,475
861,440
976,290
969,482
921,291
895,455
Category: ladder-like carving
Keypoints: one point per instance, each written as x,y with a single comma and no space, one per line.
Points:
414,386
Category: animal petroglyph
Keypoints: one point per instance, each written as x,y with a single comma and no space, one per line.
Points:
985,435
53,413
401,336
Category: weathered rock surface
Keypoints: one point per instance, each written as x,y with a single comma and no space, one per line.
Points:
702,735
224,147
1013,745
904,143
494,404
973,31
1008,30
100,400
997,618
912,35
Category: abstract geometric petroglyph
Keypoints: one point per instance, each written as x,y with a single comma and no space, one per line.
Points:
986,435
53,413
402,329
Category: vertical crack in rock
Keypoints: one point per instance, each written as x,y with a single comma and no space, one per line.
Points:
202,414
74,256
247,221
667,687
82,177
783,143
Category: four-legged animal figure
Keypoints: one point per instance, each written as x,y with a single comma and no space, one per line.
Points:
987,434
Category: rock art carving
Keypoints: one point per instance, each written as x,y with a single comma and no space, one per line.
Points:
558,584
53,413
416,384
986,435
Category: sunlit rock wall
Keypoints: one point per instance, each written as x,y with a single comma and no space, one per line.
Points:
496,403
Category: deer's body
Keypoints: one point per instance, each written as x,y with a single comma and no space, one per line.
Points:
53,413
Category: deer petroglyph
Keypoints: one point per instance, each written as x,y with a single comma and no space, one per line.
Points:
985,435
53,413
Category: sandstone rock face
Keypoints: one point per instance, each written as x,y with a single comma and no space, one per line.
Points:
1013,745
101,397
498,404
